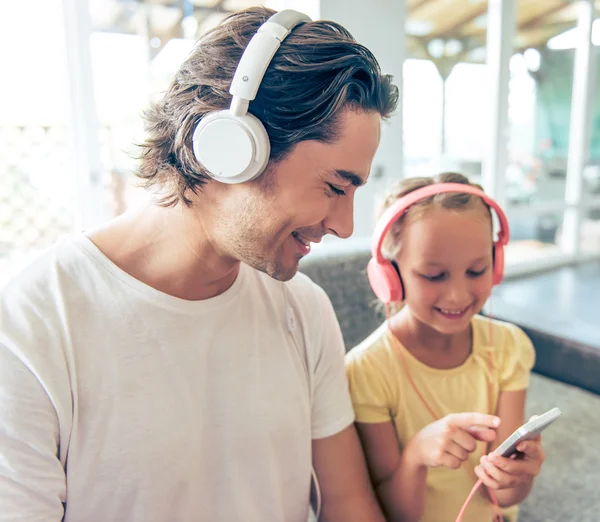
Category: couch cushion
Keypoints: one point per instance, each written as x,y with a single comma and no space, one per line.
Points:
567,488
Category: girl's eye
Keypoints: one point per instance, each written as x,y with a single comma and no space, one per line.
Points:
435,278
476,273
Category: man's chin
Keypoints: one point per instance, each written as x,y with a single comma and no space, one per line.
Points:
283,274
279,269
282,271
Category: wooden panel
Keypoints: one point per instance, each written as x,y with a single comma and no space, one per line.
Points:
205,3
413,5
540,18
568,14
532,14
476,27
447,16
237,5
530,10
208,4
535,37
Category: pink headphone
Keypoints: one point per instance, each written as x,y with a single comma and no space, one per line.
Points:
383,276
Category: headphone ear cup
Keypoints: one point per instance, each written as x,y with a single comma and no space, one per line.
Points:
384,279
232,149
498,264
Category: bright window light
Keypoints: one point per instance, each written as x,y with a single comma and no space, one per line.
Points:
568,39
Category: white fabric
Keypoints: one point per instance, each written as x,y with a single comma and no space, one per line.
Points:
127,404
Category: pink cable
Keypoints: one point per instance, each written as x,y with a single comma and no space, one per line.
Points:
463,509
497,515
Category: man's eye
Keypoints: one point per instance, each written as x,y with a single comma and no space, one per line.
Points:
336,191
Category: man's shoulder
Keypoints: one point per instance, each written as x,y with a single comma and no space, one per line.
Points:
39,288
37,271
33,303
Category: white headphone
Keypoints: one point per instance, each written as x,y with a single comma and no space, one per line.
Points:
233,145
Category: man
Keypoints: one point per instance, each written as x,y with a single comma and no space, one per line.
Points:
171,365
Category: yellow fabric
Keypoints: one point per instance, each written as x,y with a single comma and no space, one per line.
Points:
381,392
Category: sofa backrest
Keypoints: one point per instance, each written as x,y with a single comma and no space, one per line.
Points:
344,278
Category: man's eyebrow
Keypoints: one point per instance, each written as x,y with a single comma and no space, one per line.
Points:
351,177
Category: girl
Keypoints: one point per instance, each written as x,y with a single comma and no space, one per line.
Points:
438,387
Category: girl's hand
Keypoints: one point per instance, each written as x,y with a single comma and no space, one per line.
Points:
449,441
498,472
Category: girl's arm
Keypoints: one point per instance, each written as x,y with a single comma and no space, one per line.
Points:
511,479
398,479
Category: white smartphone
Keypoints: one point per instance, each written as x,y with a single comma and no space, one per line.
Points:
528,431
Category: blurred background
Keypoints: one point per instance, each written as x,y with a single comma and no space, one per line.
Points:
503,92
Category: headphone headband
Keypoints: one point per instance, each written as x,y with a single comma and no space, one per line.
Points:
392,214
258,55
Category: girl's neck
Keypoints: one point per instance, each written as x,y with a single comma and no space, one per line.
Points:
429,346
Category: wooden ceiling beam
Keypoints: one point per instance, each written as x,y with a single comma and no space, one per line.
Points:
454,31
451,31
539,19
418,5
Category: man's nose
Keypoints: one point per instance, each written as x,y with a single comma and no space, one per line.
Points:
340,221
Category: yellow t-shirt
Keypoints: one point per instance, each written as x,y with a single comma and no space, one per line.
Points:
381,392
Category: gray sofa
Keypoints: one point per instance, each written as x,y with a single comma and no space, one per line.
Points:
569,487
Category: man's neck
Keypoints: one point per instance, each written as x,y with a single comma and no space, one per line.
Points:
167,250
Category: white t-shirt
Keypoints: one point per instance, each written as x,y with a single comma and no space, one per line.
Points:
121,403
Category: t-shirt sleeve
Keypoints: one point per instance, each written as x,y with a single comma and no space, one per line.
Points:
32,479
519,357
331,406
372,391
32,475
